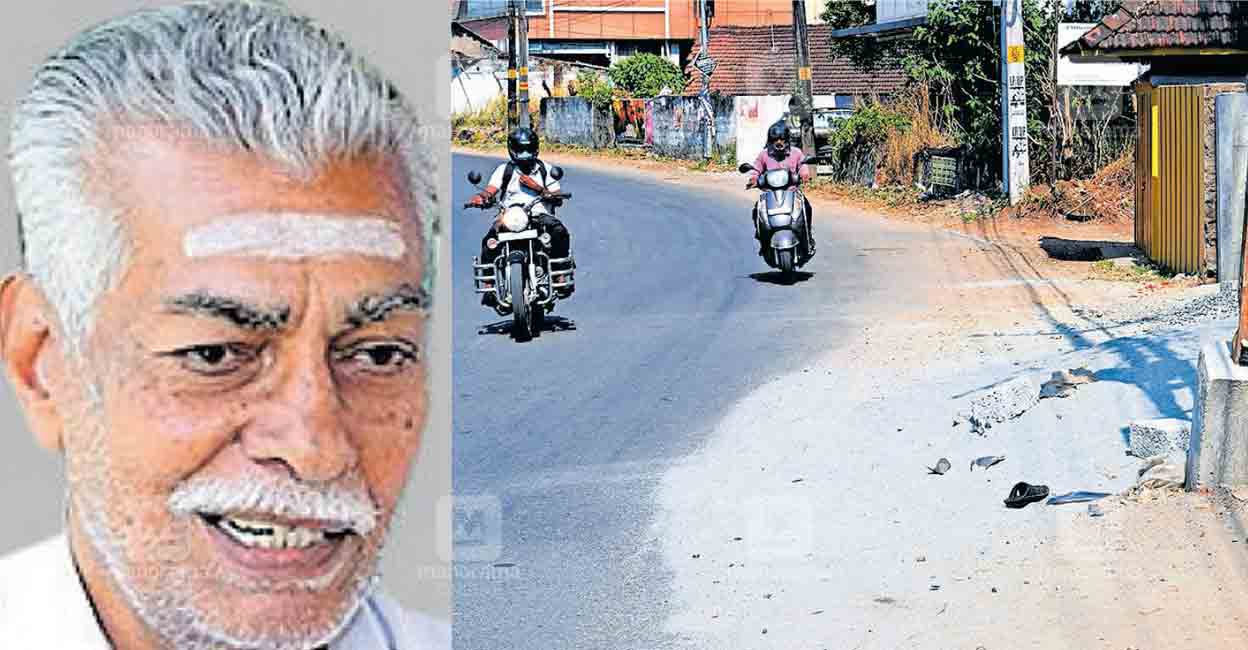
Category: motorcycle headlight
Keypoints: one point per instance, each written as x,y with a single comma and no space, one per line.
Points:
545,239
514,219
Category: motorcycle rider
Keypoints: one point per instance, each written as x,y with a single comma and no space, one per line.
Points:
521,180
779,155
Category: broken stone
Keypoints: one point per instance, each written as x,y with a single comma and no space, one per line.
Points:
1000,403
1159,437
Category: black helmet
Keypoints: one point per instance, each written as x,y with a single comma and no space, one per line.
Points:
778,131
522,145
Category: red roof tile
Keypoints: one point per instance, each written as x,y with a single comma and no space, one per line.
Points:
1152,24
759,61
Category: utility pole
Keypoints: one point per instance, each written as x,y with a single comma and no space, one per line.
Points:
1015,166
805,92
1239,179
512,48
706,65
522,60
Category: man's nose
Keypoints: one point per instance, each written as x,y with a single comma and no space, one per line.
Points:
302,425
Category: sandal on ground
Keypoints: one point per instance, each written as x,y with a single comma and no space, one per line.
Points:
1023,494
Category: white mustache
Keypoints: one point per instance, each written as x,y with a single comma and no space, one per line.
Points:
279,498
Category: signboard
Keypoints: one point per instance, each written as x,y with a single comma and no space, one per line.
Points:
1077,72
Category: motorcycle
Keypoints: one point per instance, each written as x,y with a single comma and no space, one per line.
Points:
524,279
780,217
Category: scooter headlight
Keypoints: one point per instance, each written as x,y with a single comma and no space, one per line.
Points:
514,219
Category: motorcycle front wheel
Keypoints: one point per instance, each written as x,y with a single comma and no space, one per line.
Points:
784,260
521,323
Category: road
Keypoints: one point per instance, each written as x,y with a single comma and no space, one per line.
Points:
713,460
571,431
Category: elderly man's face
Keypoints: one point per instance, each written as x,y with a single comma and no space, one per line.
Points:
265,339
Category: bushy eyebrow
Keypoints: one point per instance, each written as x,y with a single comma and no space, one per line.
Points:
235,310
375,308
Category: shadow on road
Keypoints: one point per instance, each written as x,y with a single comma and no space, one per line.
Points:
550,324
776,277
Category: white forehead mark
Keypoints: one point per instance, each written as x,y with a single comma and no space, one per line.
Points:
295,236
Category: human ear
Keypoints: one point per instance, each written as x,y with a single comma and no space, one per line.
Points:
33,357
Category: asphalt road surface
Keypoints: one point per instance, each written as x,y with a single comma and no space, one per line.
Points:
559,442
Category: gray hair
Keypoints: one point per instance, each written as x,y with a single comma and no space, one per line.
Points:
251,74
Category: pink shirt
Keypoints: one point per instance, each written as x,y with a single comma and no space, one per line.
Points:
765,163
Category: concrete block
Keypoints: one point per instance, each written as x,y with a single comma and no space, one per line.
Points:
1218,453
1002,402
1159,437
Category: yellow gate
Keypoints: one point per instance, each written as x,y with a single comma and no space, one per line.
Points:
1169,165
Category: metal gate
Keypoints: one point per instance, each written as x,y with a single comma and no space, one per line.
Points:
1169,166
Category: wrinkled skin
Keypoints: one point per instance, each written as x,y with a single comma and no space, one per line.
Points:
322,400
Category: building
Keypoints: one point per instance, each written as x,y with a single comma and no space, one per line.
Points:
1197,50
479,72
760,61
601,32
893,19
756,65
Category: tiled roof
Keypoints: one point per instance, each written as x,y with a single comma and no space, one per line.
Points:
760,61
1152,24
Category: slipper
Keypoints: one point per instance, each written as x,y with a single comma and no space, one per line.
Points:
1023,494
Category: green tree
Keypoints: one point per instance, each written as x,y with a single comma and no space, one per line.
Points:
957,53
646,75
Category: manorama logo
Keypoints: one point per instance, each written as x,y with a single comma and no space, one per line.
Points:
476,528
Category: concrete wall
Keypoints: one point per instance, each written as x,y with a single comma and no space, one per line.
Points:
754,114
575,121
474,87
1229,108
674,126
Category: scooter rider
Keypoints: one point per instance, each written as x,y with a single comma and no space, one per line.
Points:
779,155
521,180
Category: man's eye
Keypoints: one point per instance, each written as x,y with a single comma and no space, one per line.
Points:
381,357
214,359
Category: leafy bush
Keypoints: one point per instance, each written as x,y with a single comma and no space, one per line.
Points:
594,88
646,75
869,126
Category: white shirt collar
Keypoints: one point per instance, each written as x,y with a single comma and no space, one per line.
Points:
43,605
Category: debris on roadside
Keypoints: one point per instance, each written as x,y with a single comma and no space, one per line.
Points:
1000,403
941,467
1159,437
986,461
1064,382
1079,496
1163,472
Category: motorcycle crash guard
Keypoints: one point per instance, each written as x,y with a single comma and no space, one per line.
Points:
783,239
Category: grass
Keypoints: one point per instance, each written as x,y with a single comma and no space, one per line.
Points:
1137,272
